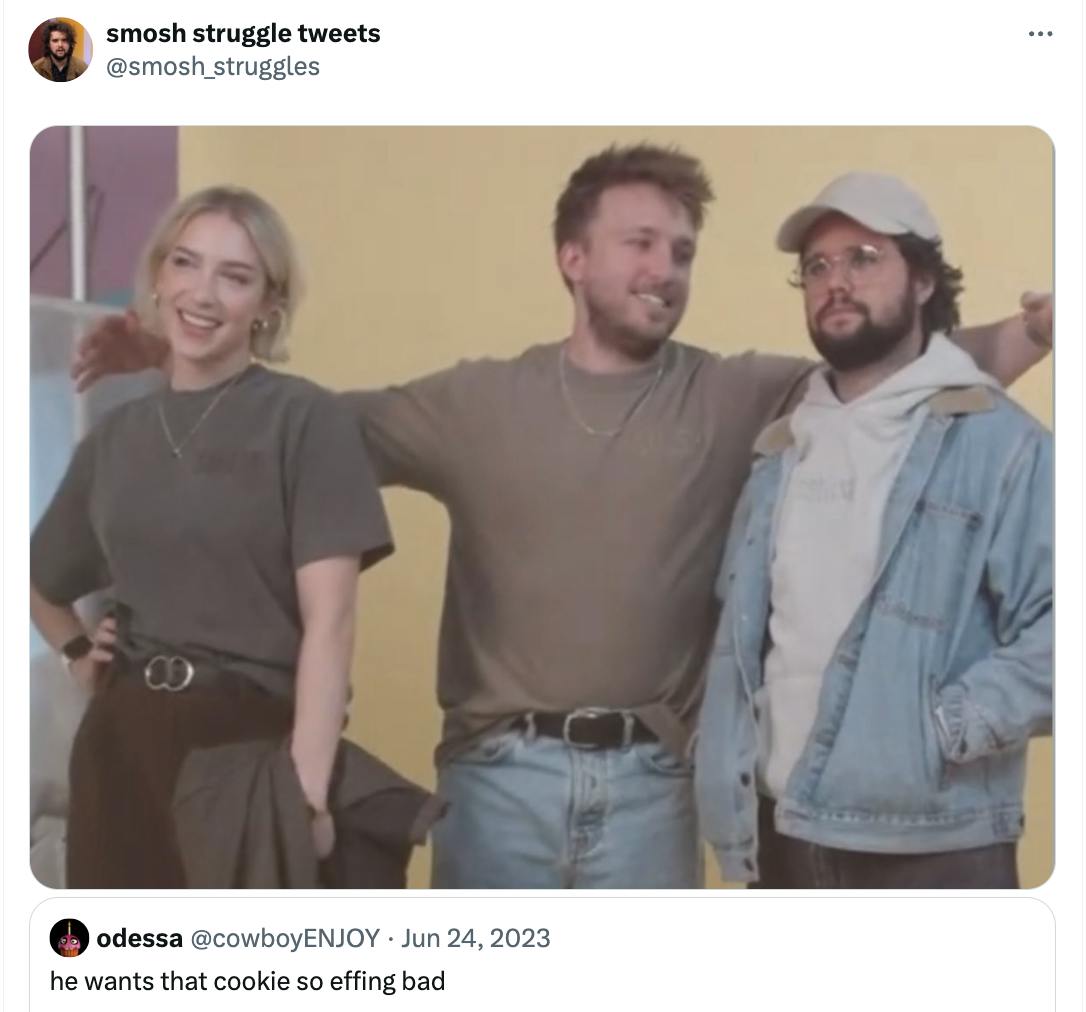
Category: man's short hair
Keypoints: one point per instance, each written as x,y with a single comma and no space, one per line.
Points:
675,173
925,257
58,26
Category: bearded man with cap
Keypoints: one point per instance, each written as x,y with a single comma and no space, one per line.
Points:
885,650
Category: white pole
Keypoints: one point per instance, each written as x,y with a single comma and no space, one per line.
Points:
77,211
77,235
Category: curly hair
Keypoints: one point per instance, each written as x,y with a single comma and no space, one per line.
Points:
58,26
678,174
925,257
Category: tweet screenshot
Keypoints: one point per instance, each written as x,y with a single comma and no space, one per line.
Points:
552,505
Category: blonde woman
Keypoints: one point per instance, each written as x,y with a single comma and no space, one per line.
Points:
231,513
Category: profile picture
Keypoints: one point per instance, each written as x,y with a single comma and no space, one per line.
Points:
60,49
69,937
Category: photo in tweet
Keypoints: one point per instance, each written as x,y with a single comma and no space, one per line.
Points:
733,562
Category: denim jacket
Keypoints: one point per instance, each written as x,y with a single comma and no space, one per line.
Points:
942,675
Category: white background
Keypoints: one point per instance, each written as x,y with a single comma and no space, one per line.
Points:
828,62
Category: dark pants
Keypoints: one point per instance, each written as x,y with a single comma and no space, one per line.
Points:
788,863
125,760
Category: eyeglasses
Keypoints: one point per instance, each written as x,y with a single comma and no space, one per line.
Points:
859,263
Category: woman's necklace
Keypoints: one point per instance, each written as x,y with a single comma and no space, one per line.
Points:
177,447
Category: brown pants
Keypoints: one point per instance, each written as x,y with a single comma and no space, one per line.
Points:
125,760
788,863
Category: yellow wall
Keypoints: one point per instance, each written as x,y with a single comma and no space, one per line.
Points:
82,47
426,245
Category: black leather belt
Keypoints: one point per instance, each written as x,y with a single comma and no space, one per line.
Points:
589,728
170,672
162,667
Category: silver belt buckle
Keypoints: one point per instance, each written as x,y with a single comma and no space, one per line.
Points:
172,673
593,713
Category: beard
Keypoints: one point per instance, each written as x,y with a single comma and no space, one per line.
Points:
636,341
870,342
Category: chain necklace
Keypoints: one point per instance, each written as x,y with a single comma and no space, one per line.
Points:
175,447
642,398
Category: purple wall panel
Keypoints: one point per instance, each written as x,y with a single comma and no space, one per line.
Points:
131,180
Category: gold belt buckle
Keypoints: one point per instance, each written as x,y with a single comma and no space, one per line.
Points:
172,673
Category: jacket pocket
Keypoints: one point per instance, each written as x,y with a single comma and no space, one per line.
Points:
882,761
937,736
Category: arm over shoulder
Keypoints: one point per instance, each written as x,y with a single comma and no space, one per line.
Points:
761,387
408,428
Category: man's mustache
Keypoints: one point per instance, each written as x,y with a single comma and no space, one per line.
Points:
837,304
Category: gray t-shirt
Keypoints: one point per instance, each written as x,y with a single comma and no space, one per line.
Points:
581,567
202,550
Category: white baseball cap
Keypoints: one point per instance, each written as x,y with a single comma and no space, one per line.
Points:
881,203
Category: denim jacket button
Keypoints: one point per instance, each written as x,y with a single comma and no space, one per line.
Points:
744,779
748,864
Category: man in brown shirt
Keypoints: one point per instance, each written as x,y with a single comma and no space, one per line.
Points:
58,63
589,485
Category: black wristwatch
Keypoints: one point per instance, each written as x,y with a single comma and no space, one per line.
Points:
77,647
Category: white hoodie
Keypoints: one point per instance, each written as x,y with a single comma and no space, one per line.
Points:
829,524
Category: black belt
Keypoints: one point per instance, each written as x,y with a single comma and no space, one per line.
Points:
163,667
589,728
170,672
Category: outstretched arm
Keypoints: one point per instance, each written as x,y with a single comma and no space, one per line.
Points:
1009,348
414,432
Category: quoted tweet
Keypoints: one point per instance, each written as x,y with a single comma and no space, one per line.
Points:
92,954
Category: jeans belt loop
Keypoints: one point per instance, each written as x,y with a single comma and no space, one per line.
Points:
529,728
170,672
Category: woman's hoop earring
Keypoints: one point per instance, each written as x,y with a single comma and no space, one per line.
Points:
262,326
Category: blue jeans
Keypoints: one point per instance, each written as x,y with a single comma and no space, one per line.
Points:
528,812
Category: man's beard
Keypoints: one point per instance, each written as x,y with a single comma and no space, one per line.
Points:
871,343
638,343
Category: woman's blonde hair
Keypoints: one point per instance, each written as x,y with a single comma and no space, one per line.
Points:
272,241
